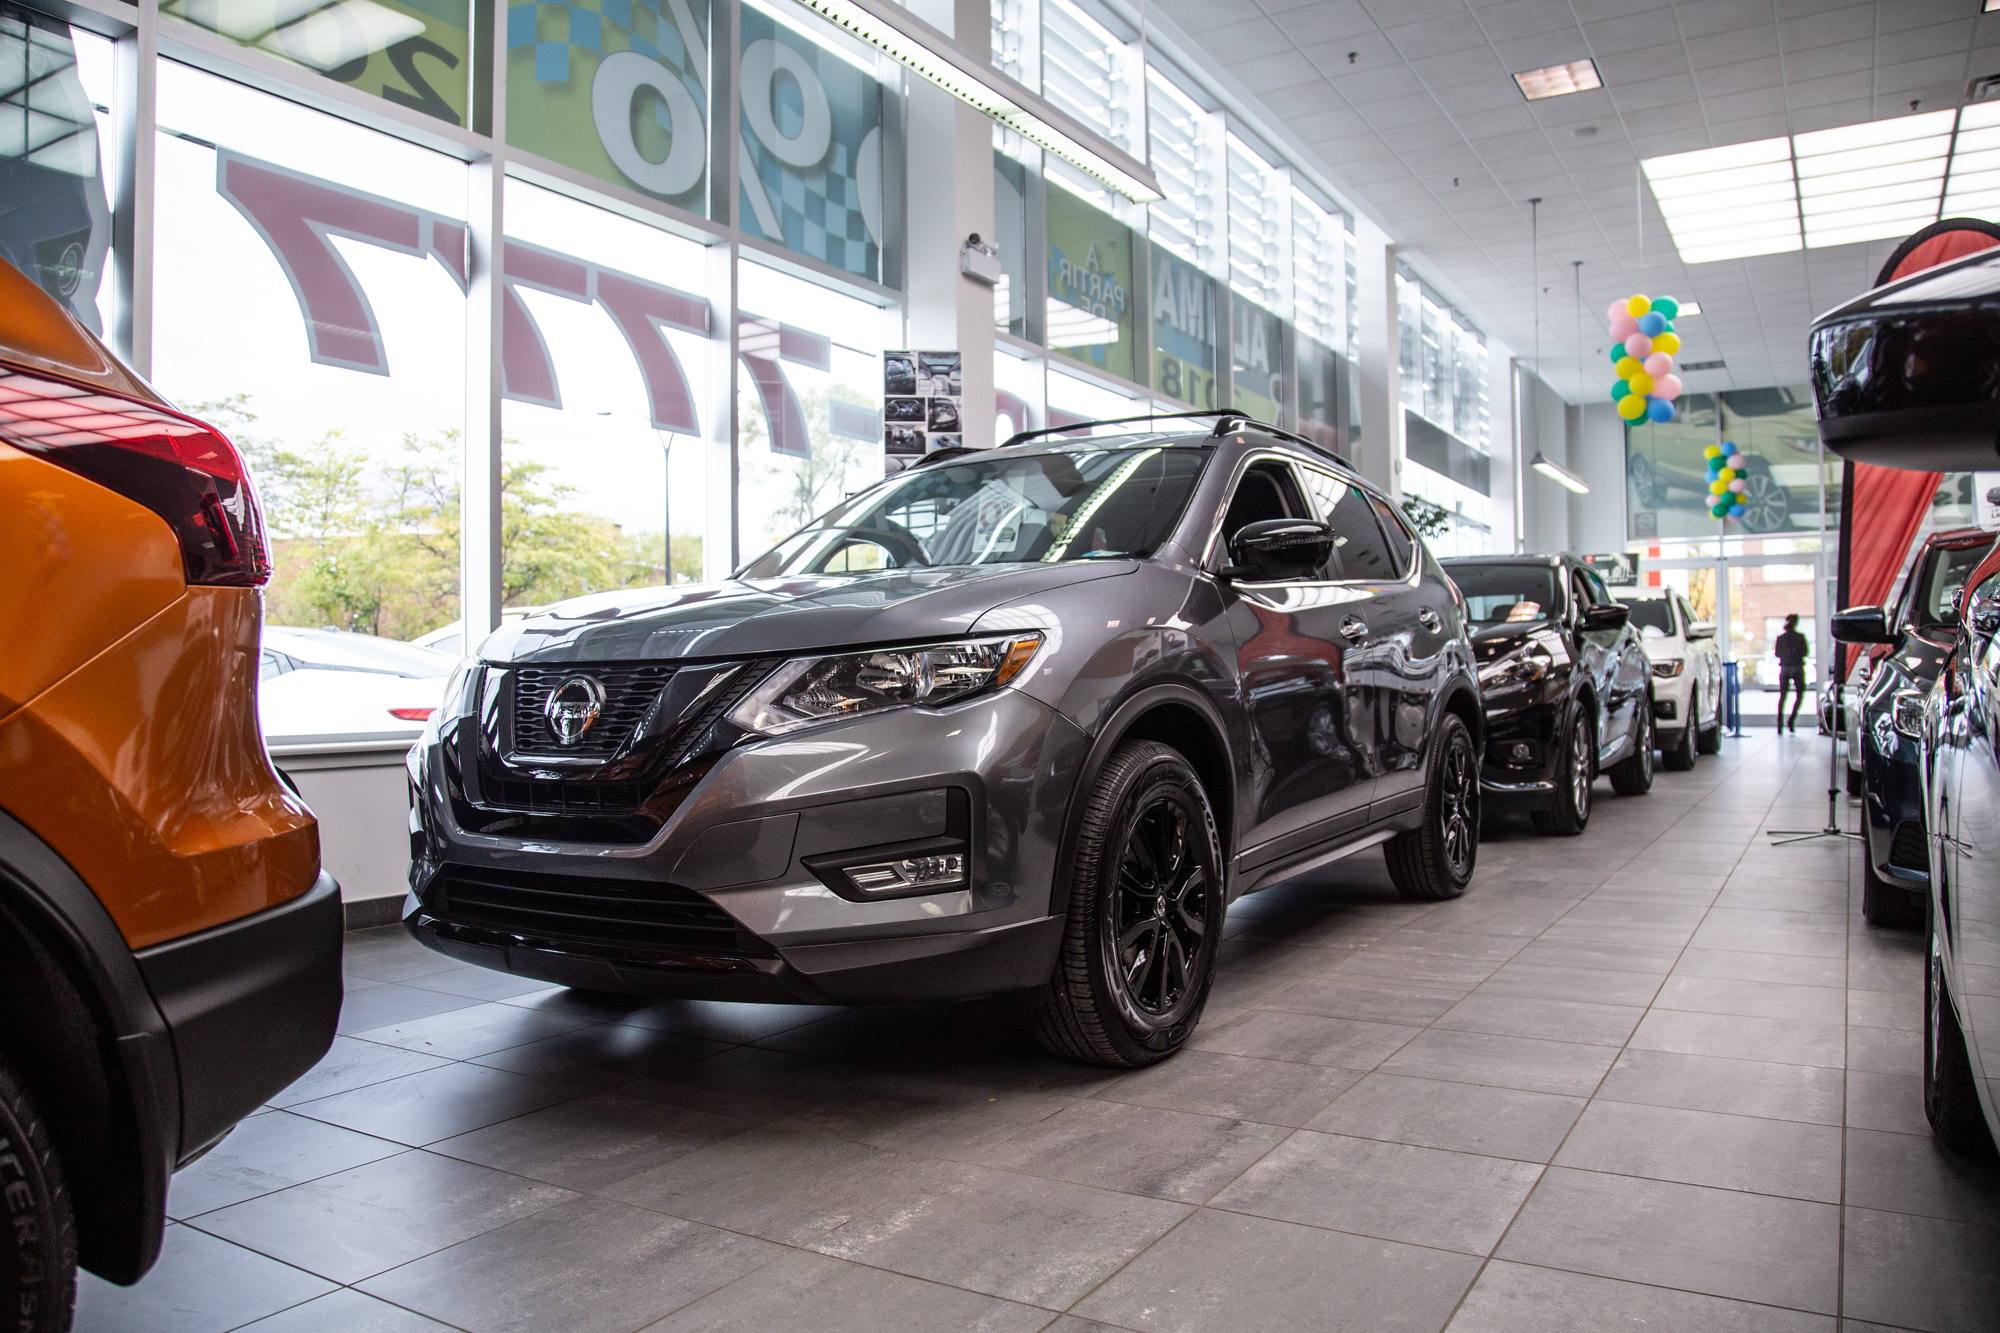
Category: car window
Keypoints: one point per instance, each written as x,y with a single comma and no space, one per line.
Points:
1505,594
1653,617
1402,543
269,665
1579,590
1937,600
1599,594
1266,490
1360,552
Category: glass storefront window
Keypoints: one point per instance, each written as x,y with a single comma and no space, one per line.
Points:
55,211
1320,393
1186,158
811,177
809,400
1257,352
413,53
604,457
1090,285
1666,470
1256,195
616,89
1073,399
1185,337
338,254
1010,237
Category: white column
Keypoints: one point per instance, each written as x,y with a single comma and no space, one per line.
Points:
1507,451
1378,380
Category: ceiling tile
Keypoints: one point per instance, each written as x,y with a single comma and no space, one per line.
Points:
1817,62
1245,39
1388,13
1285,69
1637,66
1417,40
1314,22
1937,39
1912,75
1369,50
1698,18
1728,48
1486,123
1517,54
1828,29
1719,80
1374,86
1653,92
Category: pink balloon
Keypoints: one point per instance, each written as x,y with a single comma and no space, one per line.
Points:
1666,386
1659,365
1617,311
1739,485
1623,327
1638,345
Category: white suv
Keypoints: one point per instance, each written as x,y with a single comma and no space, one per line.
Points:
1687,674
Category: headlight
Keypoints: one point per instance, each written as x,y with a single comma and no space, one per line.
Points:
821,689
1521,667
1669,667
454,690
1906,713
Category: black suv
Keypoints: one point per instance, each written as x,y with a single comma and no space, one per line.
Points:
1014,720
1569,691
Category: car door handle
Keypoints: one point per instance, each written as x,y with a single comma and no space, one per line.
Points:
1429,619
1354,629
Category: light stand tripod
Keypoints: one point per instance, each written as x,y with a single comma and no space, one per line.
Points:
1784,837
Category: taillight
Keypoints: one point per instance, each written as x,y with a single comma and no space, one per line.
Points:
412,714
182,470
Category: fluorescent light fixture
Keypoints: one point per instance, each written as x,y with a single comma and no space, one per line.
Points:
1691,308
923,49
1559,474
1577,76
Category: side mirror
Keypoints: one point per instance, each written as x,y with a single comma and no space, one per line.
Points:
1605,618
1861,624
1981,608
1702,629
1278,548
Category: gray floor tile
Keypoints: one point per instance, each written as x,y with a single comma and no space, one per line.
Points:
929,1115
590,1142
1885,1051
1593,985
1751,939
347,1311
1733,1087
582,1265
479,983
720,1020
602,1055
801,1290
1787,1157
390,1003
1781,1041
1902,1011
1892,1102
1749,1247
1921,1272
1507,1062
199,1285
1391,1191
1515,1298
1370,999
1275,1092
1752,999
477,1030
1599,957
436,1104
269,1152
1133,1149
352,1064
1223,1271
1463,1117
1306,1038
375,1217
1556,1020
1914,1173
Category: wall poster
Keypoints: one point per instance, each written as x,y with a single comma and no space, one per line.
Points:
923,394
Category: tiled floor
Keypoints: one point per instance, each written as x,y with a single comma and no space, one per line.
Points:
1658,1076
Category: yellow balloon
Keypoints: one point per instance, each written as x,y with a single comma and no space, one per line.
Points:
1628,366
1641,383
1667,342
1725,476
1718,487
1638,306
1713,451
1632,406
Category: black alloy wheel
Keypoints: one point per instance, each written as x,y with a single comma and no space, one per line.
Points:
1435,859
1145,915
1767,506
1568,810
1633,775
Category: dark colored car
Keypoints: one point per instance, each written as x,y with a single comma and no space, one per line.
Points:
1013,720
1567,684
1962,791
1917,636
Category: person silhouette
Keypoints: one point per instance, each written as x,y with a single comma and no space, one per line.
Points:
1791,650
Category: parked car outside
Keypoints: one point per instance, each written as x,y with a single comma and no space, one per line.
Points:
1080,694
169,946
1568,688
450,639
1916,637
1961,768
1687,674
330,682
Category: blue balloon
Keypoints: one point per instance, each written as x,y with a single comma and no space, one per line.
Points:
1728,448
1652,323
1659,409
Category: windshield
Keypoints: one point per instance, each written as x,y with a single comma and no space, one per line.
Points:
1080,504
1937,602
1506,594
1652,617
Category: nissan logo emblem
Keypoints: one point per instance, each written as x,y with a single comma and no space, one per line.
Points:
573,708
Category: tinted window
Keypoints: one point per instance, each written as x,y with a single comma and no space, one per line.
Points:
1265,491
1652,613
1360,552
1506,594
1937,602
1402,545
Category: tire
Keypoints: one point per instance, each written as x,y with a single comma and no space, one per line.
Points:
1709,739
1568,811
1112,1000
1767,506
1890,906
37,1226
1435,860
1951,1102
1681,758
1854,776
1645,485
1633,775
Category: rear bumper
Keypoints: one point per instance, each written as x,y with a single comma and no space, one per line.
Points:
249,1005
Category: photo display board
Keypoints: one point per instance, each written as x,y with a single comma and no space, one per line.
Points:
923,395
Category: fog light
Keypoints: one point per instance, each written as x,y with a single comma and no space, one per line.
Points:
1518,752
939,870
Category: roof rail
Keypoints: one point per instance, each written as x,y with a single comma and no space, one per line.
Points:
1226,420
944,455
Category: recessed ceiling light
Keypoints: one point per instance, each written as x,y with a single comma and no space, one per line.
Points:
1691,308
1578,76
1990,7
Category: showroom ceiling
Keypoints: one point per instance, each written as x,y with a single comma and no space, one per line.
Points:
1411,107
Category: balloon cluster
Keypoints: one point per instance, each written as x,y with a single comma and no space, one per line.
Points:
1643,343
1725,480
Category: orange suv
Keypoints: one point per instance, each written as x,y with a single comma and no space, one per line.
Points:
169,947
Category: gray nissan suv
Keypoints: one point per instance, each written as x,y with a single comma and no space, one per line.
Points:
1023,719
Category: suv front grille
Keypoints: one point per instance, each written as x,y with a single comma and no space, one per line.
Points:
629,695
594,915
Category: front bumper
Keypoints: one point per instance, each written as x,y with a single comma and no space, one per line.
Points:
1519,770
1893,816
250,1005
735,896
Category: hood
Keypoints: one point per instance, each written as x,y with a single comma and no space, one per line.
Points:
770,617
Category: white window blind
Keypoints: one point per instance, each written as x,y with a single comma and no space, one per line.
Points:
1257,201
1088,72
1185,156
1319,272
1010,53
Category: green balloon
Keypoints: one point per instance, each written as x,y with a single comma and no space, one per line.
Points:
1620,389
1666,306
1719,510
1617,353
